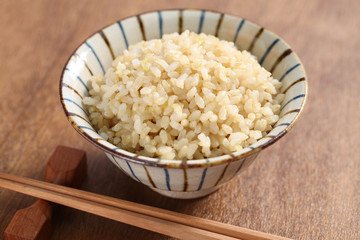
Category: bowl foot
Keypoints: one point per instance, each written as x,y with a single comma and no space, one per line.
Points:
186,195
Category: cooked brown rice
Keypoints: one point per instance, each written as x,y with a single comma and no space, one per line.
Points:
185,96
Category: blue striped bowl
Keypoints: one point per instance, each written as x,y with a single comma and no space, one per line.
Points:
174,178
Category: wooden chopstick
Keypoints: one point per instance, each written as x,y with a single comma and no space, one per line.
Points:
154,219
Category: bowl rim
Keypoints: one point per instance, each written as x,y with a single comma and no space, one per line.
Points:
193,163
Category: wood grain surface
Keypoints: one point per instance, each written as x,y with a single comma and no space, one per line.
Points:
306,186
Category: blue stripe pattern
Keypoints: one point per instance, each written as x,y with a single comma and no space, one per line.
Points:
85,127
203,176
240,165
132,172
252,148
202,179
201,21
69,100
93,51
117,164
268,50
238,30
288,71
167,176
78,78
294,98
123,33
282,124
77,115
160,24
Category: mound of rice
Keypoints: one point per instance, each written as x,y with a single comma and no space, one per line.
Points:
184,97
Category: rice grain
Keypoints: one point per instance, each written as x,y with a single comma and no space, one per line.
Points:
184,97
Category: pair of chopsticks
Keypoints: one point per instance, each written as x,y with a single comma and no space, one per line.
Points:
154,219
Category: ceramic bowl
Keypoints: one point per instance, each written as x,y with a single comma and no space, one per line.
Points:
174,178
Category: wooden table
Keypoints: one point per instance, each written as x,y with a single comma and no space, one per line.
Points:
306,186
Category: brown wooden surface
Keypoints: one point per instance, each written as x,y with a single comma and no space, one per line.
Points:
66,166
305,186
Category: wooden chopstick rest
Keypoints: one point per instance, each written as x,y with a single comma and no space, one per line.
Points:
66,166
